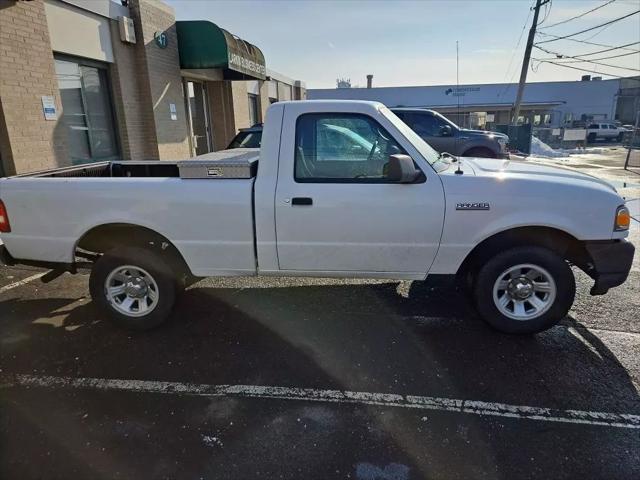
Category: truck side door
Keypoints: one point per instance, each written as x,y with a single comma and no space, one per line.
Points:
337,213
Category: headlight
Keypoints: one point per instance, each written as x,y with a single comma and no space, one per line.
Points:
623,219
503,142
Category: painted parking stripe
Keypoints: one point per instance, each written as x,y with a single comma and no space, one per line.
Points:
24,281
473,407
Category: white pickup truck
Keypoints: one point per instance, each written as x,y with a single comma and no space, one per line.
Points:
341,189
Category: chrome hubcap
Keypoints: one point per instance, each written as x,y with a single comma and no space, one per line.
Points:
524,292
131,291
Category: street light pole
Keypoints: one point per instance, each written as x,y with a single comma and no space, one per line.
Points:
525,61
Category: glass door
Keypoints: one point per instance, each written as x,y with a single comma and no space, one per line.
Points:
197,107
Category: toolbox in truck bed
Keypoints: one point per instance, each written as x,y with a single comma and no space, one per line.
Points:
237,163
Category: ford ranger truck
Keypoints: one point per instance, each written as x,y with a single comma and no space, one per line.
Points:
337,189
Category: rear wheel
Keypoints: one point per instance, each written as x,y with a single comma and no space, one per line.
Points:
524,290
591,138
136,287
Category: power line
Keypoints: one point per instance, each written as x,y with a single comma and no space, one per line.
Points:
593,71
621,47
592,28
580,58
576,40
579,16
545,60
585,42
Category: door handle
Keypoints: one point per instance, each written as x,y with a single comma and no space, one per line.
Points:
302,201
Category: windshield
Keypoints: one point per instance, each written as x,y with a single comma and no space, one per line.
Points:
247,140
427,152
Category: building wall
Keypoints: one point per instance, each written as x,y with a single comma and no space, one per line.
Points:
628,107
163,82
576,98
90,36
131,102
26,73
144,79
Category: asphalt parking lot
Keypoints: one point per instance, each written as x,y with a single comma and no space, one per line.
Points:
317,379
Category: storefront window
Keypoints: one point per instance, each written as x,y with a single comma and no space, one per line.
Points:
86,112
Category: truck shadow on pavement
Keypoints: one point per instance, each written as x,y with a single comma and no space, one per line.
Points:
362,336
418,339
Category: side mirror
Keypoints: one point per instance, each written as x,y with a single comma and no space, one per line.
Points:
446,131
401,169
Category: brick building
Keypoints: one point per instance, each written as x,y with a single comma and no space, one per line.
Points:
87,81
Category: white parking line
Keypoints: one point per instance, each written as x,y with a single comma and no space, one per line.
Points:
24,281
474,407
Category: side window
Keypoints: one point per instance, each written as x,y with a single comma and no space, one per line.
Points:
342,147
424,124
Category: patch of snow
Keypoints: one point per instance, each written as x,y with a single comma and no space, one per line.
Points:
541,149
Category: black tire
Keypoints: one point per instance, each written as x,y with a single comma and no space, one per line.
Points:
480,152
489,273
620,137
591,138
159,270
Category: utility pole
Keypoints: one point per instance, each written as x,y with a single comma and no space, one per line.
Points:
525,61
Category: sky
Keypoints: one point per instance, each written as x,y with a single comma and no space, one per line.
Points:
414,42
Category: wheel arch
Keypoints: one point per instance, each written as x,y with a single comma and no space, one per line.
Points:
557,240
102,238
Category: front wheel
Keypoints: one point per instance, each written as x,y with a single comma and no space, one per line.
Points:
136,287
524,290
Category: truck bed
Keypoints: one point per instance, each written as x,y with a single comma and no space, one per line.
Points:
236,163
210,222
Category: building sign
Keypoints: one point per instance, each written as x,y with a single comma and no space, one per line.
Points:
49,107
246,65
460,91
204,45
161,39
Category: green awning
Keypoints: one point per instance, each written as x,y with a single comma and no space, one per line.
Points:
203,44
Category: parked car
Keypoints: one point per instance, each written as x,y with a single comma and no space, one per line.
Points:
376,202
604,131
247,137
445,136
